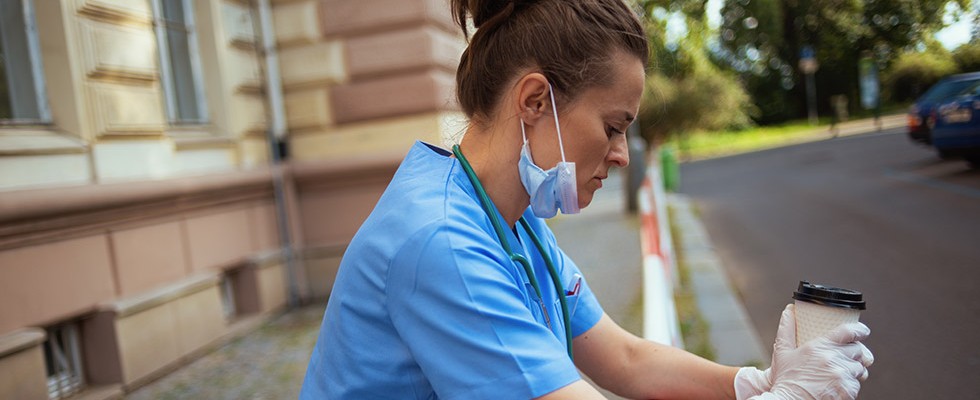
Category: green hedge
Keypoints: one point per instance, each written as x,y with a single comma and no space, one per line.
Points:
967,56
913,73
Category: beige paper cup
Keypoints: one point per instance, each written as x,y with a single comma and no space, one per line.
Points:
820,309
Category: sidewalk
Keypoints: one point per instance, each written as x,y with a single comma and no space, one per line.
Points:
604,242
866,125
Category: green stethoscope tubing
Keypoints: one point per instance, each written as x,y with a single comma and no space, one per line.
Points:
488,208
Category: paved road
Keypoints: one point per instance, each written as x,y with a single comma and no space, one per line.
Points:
872,212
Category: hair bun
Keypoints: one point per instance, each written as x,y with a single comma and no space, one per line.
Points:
485,13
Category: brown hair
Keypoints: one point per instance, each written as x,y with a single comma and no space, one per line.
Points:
571,42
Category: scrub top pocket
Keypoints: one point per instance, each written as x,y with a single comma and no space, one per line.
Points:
534,303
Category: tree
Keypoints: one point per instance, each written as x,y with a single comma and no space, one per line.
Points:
967,56
762,39
685,91
912,73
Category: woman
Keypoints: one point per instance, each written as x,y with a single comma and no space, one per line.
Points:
454,287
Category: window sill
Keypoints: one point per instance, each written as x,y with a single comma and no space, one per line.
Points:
198,140
20,339
38,141
153,298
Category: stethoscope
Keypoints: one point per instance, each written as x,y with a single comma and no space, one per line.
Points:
488,208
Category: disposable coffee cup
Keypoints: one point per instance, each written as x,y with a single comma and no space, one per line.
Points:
820,309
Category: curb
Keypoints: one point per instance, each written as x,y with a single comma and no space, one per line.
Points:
730,330
867,125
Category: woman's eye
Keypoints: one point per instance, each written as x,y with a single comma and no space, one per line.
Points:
610,131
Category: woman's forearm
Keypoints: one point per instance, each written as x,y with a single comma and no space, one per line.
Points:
664,372
636,368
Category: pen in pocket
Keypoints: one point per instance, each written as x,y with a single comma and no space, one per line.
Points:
576,287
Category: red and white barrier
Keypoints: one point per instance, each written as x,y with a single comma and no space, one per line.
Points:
659,267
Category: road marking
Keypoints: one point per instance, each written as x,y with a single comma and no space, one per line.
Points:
933,183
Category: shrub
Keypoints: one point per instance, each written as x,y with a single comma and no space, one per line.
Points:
913,73
705,99
967,56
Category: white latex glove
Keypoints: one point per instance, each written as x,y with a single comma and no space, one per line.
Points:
826,368
749,382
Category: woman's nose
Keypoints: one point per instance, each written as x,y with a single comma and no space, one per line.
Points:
619,153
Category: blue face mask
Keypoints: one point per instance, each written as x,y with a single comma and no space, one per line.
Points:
552,189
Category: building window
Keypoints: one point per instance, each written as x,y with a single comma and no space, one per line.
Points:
22,94
63,359
180,63
228,297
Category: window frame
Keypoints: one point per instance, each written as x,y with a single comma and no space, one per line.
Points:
166,72
69,379
36,69
228,298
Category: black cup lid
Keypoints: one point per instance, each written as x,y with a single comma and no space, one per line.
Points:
829,296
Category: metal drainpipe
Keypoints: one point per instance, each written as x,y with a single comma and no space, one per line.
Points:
276,136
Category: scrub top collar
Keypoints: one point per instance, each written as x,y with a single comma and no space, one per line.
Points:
459,178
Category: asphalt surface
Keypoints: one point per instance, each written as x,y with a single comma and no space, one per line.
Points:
871,212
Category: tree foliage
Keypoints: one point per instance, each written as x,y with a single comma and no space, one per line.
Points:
762,40
685,91
967,56
913,73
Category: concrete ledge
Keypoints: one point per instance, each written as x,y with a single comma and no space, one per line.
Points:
659,266
150,299
48,202
236,329
22,365
20,339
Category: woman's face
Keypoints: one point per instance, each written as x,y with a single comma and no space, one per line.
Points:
593,127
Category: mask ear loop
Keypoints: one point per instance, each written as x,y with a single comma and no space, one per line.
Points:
554,110
567,191
523,135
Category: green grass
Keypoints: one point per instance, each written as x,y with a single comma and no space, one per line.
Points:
702,145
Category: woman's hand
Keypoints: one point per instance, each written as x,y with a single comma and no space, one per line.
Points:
830,367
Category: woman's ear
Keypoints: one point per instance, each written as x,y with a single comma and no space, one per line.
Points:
533,99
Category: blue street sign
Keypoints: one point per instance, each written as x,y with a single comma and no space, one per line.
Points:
868,72
806,52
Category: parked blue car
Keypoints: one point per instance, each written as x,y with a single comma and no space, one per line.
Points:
922,115
957,129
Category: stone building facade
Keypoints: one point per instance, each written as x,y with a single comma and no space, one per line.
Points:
143,215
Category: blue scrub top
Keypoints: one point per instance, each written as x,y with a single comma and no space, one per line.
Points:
428,305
